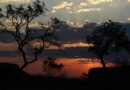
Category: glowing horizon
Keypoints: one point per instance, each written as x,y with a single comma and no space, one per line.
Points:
73,67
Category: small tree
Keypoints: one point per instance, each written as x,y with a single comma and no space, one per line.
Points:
49,38
52,68
107,37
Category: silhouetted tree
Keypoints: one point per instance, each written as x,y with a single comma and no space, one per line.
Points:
1,16
21,16
52,68
49,37
107,37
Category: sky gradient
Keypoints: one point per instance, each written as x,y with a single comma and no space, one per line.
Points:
87,10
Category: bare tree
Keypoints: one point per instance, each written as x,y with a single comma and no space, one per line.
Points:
109,36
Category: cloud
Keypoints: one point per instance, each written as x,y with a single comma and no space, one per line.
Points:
82,4
68,8
70,12
15,1
62,5
8,46
53,11
95,2
88,9
72,7
89,5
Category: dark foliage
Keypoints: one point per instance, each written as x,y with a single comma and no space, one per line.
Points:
108,37
52,68
21,16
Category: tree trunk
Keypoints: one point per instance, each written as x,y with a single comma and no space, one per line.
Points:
24,58
28,63
103,63
23,66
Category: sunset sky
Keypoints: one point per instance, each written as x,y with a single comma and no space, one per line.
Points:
87,10
71,35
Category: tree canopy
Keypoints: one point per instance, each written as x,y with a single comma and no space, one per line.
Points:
108,37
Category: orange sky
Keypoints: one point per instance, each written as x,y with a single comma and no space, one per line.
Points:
73,67
13,46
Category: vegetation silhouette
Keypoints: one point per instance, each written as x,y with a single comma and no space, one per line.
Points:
52,68
108,37
21,16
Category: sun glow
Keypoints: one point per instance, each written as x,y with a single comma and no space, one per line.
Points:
80,44
73,67
71,45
